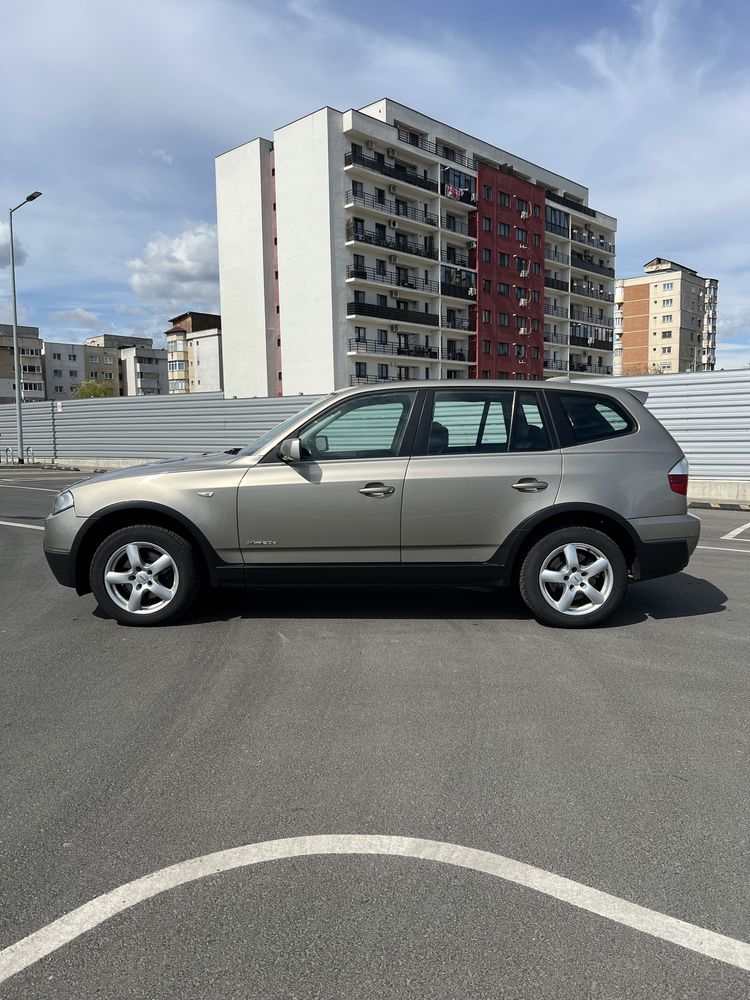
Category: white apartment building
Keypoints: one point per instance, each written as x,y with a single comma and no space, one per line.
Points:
194,353
665,320
381,244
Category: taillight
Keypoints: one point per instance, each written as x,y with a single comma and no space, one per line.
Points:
678,477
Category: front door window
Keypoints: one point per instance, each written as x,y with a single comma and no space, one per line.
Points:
369,427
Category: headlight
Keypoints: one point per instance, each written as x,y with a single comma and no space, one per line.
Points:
62,501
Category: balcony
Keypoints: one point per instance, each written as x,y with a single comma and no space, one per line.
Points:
392,278
455,226
590,292
375,347
397,246
592,240
393,314
457,259
392,208
555,338
458,291
561,258
578,339
556,365
437,149
454,323
557,283
577,260
466,197
389,170
584,317
582,366
557,230
550,310
570,203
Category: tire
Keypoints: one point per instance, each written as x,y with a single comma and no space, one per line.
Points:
128,590
552,555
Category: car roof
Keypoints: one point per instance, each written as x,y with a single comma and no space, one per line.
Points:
547,385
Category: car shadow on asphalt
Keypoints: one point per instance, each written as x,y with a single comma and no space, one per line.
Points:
677,596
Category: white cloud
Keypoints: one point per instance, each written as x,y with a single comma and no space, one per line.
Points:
79,319
18,248
163,156
179,272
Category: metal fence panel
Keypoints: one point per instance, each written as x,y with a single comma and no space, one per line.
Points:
38,430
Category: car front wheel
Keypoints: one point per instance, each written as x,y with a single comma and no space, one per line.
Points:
573,578
145,575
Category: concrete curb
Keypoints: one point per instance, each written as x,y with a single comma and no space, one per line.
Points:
709,505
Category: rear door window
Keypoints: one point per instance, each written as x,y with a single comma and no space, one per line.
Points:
593,418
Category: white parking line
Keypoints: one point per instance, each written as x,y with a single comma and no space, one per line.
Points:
737,531
723,548
37,489
20,524
67,928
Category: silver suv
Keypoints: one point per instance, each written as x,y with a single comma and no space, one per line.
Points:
567,490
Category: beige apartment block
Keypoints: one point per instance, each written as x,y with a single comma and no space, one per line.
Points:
31,362
194,353
665,320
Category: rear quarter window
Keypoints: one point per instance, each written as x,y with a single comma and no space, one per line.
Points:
593,418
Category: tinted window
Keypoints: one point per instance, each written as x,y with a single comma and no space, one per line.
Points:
361,427
592,418
470,421
529,426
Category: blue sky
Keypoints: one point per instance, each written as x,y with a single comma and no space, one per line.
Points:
117,111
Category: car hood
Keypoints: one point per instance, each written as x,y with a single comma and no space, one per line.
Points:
194,463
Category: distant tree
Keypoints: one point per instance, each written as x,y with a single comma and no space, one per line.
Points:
92,389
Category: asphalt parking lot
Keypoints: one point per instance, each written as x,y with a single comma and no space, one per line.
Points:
615,758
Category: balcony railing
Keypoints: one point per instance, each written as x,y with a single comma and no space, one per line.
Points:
583,340
436,148
375,347
555,338
589,265
554,364
467,196
392,278
590,292
391,313
570,203
580,366
454,323
592,240
388,170
550,310
459,259
561,258
392,208
458,291
562,286
584,317
455,226
551,227
398,246
369,379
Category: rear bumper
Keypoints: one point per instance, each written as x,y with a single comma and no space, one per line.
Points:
665,544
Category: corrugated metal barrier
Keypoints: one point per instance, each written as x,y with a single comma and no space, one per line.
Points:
708,413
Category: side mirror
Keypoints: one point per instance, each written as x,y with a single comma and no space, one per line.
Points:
291,450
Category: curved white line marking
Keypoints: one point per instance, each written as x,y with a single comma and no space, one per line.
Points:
34,947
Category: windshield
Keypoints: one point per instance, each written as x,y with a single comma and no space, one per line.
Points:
269,436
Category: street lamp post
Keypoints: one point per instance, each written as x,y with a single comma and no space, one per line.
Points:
16,357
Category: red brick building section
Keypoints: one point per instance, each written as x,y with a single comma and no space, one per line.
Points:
509,258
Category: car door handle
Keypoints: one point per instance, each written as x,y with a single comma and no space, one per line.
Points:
377,490
529,485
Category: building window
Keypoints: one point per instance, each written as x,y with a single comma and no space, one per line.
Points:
503,350
503,288
72,357
360,369
666,334
382,336
358,189
535,352
486,285
57,372
57,357
487,224
58,388
360,333
487,192
522,205
380,267
94,375
382,300
486,318
537,240
503,259
667,318
73,373
486,373
537,211
503,199
486,347
535,324
486,256
666,366
93,359
666,302
522,235
520,350
667,286
503,229
503,319
382,371
666,350
108,376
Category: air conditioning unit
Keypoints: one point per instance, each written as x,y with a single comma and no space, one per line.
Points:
523,302
524,273
393,224
394,293
473,245
524,215
394,327
393,259
472,293
392,188
392,153
474,199
370,144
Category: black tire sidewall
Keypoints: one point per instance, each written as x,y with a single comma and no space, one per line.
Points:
529,577
178,548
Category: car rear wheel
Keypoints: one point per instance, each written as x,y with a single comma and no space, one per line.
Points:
573,578
145,575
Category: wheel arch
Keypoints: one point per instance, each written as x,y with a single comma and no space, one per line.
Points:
127,514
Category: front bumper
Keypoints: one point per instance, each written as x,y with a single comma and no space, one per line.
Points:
60,531
61,564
